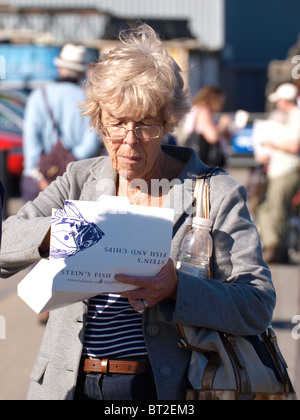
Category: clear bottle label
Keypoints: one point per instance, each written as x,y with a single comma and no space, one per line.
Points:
193,270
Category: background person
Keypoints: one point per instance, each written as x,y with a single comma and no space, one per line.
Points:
209,137
62,97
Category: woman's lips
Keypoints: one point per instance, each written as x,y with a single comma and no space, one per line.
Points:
131,159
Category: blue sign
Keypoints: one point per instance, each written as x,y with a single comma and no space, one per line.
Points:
242,142
24,63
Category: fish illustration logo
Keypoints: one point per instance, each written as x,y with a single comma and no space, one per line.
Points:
72,233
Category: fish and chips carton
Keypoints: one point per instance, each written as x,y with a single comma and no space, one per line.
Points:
91,243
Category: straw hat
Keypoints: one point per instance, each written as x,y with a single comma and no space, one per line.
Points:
73,57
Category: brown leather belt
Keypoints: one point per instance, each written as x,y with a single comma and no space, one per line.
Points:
106,366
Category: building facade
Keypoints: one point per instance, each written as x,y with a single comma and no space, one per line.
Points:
206,16
205,19
237,39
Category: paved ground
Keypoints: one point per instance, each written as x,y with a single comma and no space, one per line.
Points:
19,349
287,284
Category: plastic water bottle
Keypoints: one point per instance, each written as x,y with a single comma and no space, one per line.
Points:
196,249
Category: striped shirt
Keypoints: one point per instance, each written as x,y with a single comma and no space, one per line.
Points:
114,329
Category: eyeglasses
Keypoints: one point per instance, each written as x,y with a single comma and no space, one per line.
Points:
118,134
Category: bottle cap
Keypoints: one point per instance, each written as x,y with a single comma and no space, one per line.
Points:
200,222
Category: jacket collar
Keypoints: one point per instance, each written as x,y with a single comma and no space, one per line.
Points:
181,196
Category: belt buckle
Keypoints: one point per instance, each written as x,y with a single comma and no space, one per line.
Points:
104,366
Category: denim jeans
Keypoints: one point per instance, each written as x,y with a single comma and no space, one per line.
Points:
96,386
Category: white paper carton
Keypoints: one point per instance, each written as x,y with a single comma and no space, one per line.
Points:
92,242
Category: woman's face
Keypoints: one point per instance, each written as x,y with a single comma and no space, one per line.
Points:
218,103
134,156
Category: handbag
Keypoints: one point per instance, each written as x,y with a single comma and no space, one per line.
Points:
227,367
54,164
211,154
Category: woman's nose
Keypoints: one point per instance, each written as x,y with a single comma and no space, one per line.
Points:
131,139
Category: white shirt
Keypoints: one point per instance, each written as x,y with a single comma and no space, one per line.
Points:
283,163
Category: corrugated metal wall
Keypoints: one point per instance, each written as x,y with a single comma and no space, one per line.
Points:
206,16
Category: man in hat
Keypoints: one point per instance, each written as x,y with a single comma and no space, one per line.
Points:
53,112
283,176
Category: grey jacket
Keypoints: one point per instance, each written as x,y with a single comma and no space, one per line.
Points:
239,300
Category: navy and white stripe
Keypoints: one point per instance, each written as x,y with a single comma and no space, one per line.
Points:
114,329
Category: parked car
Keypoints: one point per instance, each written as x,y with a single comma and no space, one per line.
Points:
12,105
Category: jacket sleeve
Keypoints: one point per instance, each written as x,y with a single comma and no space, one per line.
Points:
240,298
89,145
24,233
34,122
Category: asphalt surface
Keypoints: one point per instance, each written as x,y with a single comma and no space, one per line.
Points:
23,335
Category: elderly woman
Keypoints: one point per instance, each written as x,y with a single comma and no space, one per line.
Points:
116,347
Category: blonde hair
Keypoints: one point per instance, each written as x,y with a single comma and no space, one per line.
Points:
137,79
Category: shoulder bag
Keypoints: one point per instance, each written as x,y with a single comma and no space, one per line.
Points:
227,367
211,154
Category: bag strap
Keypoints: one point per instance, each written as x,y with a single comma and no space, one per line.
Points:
50,113
270,340
202,198
201,195
202,192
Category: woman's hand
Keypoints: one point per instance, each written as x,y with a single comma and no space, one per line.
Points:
151,290
43,184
